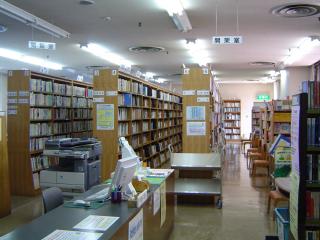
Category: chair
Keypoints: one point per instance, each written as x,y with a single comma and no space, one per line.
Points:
277,197
256,149
171,150
260,163
244,142
52,198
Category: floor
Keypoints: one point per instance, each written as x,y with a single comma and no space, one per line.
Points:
243,216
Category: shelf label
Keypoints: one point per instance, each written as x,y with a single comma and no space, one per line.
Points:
189,92
96,73
12,94
23,101
114,72
23,93
142,197
111,93
12,112
205,71
186,71
10,73
202,99
98,93
203,92
135,231
12,101
98,100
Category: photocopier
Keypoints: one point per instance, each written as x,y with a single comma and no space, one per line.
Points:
77,165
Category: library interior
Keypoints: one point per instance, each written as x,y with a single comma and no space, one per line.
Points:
159,120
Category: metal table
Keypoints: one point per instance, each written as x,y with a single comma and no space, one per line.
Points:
198,164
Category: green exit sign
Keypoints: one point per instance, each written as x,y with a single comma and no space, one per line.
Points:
263,97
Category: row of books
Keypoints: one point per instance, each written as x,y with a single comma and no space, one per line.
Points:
136,141
62,127
125,99
136,127
40,114
62,89
124,85
40,129
123,114
231,109
313,235
230,116
82,113
313,131
150,150
232,137
136,101
62,101
313,90
37,143
123,129
232,124
313,205
281,105
313,168
256,115
81,102
137,113
39,99
39,163
82,92
232,104
80,126
40,85
145,126
63,113
255,122
232,131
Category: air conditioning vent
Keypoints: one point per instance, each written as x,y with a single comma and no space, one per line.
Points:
262,64
296,10
86,2
146,49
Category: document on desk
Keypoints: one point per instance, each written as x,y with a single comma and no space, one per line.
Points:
72,235
96,223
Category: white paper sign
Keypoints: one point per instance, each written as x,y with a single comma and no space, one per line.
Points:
188,92
105,117
12,100
203,92
205,71
196,128
96,73
96,223
12,94
72,235
202,99
98,93
135,231
12,112
163,203
42,45
196,113
186,71
156,201
12,106
111,93
114,72
220,40
142,197
23,93
98,100
23,101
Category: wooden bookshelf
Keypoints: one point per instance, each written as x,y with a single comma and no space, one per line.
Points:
232,119
201,97
256,119
5,200
41,107
149,116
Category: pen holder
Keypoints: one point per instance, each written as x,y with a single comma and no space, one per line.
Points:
116,196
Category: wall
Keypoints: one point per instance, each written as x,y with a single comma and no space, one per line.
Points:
247,93
3,92
291,79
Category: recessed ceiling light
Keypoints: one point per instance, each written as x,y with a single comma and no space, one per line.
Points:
106,18
262,64
146,49
296,10
3,28
86,2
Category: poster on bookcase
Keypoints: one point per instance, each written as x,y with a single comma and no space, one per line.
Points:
105,117
295,126
294,203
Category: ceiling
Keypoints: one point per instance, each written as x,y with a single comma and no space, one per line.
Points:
265,37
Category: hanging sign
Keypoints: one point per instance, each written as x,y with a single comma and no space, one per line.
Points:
42,45
263,97
222,40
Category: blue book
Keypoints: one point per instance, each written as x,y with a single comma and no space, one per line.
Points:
127,99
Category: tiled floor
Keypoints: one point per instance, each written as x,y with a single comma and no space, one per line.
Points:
243,215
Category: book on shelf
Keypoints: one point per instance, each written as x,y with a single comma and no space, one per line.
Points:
62,114
62,89
39,163
136,101
122,114
40,129
231,109
313,235
313,168
281,105
39,85
137,88
40,114
125,99
313,90
62,127
123,129
313,206
40,99
124,85
313,131
37,143
283,128
61,101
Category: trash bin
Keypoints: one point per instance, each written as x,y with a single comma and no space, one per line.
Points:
282,221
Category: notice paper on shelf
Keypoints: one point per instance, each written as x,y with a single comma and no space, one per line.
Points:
196,128
72,235
135,231
105,116
96,223
196,113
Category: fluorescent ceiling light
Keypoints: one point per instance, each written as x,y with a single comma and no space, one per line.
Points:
177,13
306,45
31,20
29,59
105,54
197,52
161,80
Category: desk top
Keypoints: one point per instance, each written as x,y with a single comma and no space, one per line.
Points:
65,218
196,161
283,183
